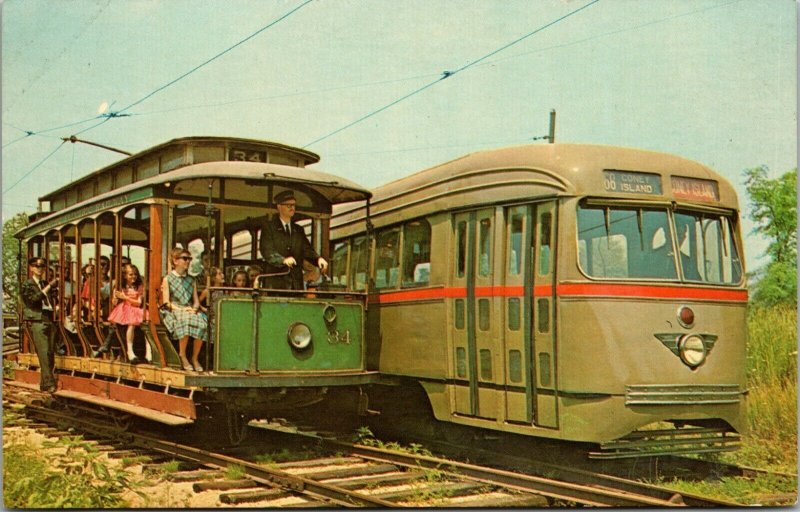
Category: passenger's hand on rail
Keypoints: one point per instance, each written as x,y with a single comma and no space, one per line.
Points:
289,261
322,264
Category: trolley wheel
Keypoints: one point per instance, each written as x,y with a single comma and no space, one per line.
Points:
237,425
122,421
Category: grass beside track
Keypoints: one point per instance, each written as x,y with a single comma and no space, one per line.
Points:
771,442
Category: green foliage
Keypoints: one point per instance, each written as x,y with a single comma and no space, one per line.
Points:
10,261
775,284
772,421
364,436
234,472
8,369
761,490
774,203
76,479
771,346
772,381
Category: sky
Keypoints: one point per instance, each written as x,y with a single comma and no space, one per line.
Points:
360,82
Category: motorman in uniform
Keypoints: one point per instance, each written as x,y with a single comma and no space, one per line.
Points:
284,244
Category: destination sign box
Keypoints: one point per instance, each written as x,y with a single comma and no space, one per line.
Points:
247,155
694,189
627,182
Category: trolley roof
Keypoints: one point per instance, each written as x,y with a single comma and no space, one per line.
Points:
191,180
522,173
172,155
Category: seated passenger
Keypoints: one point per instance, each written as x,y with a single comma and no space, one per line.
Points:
240,280
217,280
252,272
182,316
128,312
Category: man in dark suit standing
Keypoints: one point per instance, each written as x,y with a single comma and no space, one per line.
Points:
37,313
284,244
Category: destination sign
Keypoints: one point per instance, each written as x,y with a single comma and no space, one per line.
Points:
627,182
694,189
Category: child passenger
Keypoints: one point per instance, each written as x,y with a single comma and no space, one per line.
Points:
240,279
128,310
217,280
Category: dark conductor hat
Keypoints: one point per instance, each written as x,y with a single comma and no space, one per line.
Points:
284,196
36,261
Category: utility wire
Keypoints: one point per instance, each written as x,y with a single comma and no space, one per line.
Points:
34,168
111,115
119,112
18,139
619,31
448,74
287,95
220,54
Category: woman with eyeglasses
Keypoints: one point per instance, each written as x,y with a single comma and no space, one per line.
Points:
181,308
37,314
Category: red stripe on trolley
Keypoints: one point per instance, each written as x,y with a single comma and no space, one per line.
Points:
650,292
566,290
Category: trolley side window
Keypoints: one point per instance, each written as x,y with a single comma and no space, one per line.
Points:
358,264
618,242
387,262
416,253
339,263
706,248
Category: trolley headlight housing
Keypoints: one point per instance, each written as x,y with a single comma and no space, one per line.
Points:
329,314
692,350
299,336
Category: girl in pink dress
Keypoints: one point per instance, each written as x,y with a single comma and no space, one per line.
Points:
128,310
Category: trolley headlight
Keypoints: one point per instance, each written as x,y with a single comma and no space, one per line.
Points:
692,350
329,314
299,336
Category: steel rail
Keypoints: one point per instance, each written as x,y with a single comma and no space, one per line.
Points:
599,479
330,494
568,491
267,476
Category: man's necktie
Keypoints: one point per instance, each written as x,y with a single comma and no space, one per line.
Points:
287,230
46,304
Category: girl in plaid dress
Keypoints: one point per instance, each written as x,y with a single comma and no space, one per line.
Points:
182,317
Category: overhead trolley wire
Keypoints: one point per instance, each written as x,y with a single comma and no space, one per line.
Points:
43,160
119,113
287,95
220,54
448,74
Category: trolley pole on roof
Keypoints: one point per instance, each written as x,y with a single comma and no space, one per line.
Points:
73,139
552,136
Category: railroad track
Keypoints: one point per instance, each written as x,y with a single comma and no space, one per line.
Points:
374,477
341,481
563,484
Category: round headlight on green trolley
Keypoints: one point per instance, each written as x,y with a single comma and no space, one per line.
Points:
299,336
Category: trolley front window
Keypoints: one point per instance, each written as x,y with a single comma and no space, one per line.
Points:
706,248
636,243
616,242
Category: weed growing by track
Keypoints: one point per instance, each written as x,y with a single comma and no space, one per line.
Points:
771,442
772,381
67,473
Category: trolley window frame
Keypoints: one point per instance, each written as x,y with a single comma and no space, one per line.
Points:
671,208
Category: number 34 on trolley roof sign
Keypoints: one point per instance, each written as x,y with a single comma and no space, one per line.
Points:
632,182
